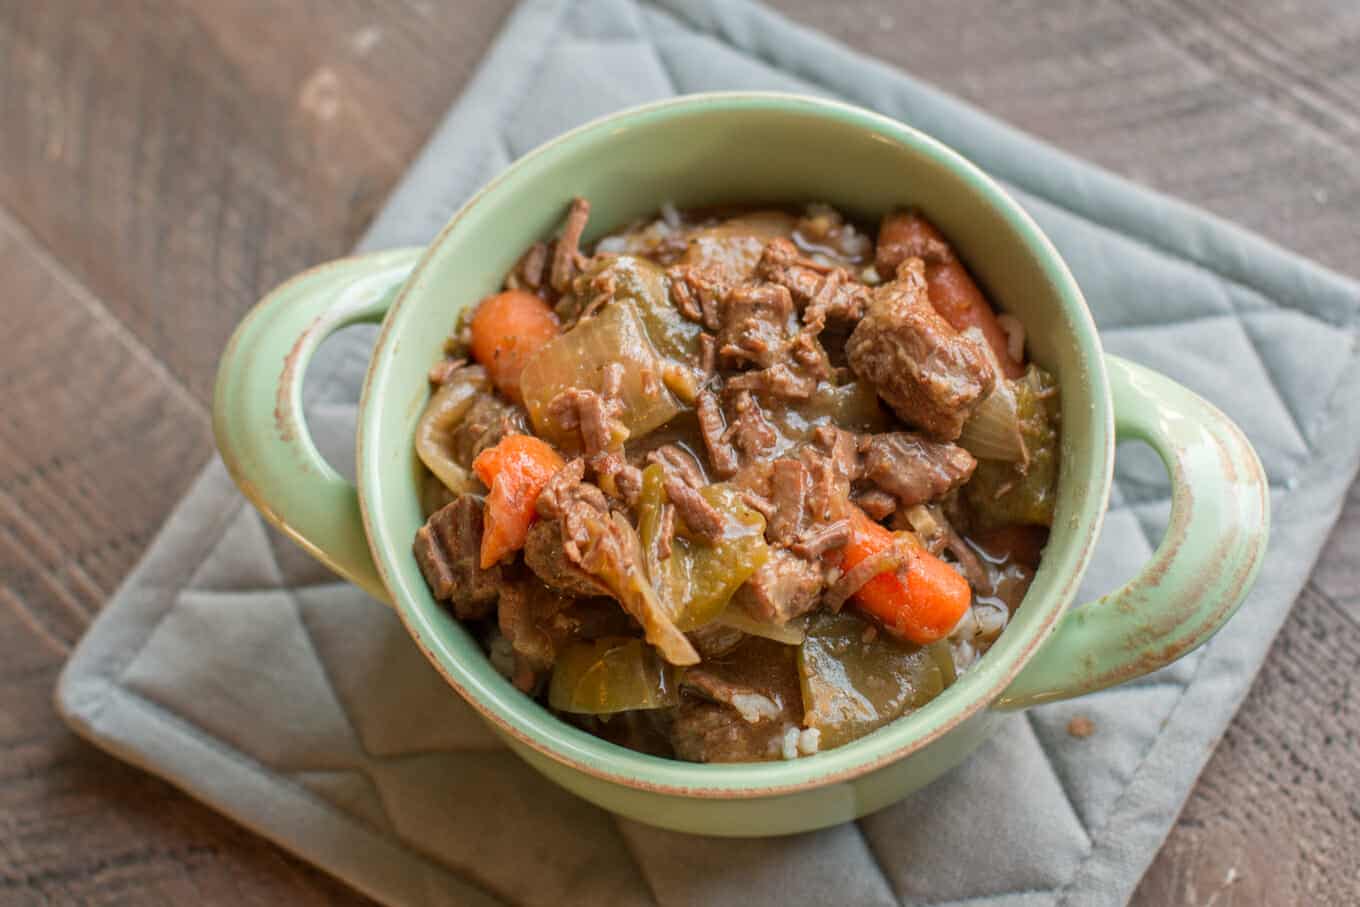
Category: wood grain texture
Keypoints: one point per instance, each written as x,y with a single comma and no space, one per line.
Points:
183,155
162,162
97,444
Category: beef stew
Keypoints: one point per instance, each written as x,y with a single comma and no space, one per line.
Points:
737,485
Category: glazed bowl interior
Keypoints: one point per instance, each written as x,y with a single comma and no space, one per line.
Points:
731,149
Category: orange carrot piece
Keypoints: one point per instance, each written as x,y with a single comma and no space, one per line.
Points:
515,470
953,292
507,329
920,603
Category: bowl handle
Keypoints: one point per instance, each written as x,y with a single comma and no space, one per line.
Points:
1220,515
257,407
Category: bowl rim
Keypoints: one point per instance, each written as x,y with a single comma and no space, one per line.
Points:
544,733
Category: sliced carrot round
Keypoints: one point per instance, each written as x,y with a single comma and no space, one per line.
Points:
507,329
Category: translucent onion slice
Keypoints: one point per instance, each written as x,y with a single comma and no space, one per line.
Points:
790,634
434,431
612,675
993,431
577,359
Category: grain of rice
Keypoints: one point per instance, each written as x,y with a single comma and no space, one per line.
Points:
1015,336
670,215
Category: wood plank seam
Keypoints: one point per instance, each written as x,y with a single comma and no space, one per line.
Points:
47,258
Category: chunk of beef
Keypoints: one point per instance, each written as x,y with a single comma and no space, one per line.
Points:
544,555
566,259
788,494
749,430
538,623
713,640
751,704
879,505
722,456
778,382
703,731
583,411
526,607
785,587
447,370
616,477
701,517
823,292
738,707
732,249
914,469
594,415
674,458
448,549
606,546
842,447
828,494
488,420
707,356
755,325
696,292
930,375
828,537
528,272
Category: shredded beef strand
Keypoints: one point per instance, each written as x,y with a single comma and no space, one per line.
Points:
842,447
444,370
565,487
828,486
628,482
566,255
721,455
778,382
759,503
813,285
825,538
708,355
696,292
674,458
529,268
755,325
972,567
879,505
891,559
701,517
665,531
749,430
788,481
684,298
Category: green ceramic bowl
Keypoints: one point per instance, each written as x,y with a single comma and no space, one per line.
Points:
748,148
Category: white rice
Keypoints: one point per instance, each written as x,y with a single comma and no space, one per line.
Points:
809,741
670,215
753,707
790,747
990,621
1015,335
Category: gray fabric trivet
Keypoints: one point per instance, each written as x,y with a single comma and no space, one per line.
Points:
237,668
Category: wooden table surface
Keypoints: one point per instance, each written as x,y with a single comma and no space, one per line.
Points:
163,162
